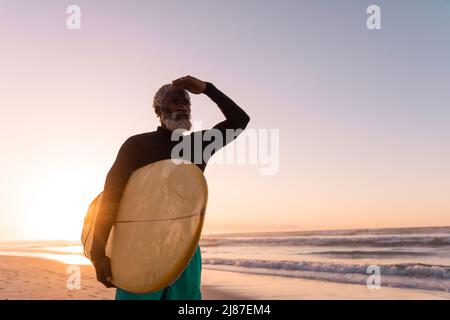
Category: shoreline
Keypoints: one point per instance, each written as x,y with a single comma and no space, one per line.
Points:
25,278
268,287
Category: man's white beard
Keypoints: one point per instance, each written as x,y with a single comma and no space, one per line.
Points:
172,123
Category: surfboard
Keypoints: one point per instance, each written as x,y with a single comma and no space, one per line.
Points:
158,225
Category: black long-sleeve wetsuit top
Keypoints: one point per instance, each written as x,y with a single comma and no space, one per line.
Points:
143,149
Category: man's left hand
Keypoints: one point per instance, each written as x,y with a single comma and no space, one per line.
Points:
191,84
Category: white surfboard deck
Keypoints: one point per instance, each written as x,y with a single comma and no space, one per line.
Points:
158,225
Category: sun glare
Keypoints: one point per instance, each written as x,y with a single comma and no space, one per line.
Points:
58,204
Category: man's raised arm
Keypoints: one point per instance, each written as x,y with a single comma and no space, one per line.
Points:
235,117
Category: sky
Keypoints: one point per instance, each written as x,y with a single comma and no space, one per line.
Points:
363,115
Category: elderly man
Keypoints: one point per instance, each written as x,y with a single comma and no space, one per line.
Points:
173,107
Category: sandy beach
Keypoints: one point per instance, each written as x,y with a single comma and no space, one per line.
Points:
38,278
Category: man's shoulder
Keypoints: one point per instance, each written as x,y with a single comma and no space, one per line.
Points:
140,137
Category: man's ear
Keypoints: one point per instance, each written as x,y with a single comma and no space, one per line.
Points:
158,111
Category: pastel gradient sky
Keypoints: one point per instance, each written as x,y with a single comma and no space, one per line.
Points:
363,115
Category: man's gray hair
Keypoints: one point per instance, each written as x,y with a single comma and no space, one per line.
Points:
160,95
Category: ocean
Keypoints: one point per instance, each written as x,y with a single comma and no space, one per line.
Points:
413,258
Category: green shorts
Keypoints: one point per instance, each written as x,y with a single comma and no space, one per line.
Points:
186,287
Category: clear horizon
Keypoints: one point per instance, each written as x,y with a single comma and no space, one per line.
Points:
241,232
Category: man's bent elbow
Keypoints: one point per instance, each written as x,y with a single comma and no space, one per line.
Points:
243,121
246,120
